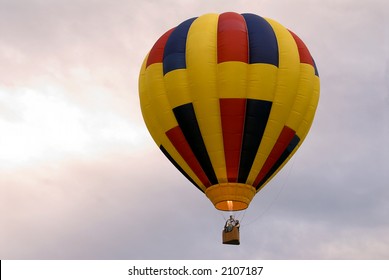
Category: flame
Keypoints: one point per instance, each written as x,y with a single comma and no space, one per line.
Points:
230,205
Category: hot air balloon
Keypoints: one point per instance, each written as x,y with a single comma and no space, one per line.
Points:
229,98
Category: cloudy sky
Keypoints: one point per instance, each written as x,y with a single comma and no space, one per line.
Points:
80,177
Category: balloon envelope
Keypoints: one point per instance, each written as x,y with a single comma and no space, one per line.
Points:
228,99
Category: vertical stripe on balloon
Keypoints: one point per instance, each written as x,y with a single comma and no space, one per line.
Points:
178,140
187,121
292,145
175,48
232,38
305,56
232,114
156,53
257,115
263,46
284,139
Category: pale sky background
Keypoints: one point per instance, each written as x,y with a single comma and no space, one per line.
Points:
80,177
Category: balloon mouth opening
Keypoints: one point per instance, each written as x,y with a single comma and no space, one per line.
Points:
230,196
230,205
